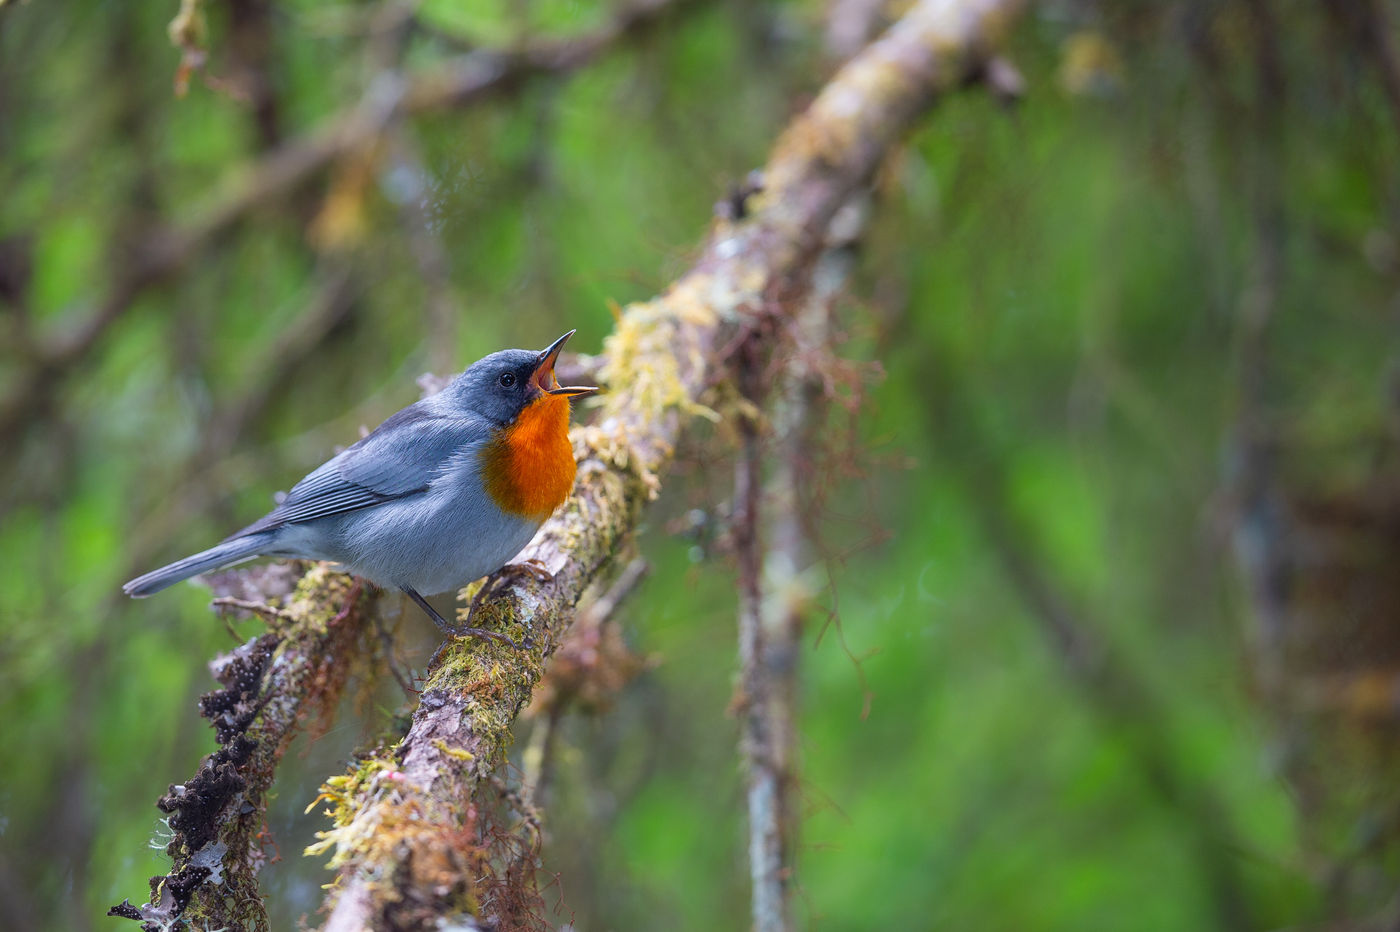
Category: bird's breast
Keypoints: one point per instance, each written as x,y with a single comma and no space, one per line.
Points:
528,468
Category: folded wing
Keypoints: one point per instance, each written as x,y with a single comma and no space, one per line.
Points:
400,458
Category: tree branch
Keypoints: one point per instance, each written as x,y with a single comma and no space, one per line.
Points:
774,593
763,749
400,817
271,686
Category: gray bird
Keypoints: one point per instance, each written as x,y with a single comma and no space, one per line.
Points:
442,493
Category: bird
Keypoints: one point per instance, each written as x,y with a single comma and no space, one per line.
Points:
442,493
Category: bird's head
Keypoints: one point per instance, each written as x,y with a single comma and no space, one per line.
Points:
500,386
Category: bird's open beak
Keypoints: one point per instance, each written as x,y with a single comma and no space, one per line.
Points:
543,377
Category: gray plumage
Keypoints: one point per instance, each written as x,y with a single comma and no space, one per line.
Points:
405,506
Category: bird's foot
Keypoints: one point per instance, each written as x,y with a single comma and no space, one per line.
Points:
532,567
465,629
492,584
462,631
535,569
456,632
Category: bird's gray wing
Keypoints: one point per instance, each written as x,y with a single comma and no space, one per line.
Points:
400,458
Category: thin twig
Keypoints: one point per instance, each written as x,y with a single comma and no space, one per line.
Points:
257,608
386,643
590,663
774,596
760,747
603,608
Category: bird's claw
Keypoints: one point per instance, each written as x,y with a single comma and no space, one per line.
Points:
534,568
467,631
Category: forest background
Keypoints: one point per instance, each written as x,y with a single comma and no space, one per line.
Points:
1105,632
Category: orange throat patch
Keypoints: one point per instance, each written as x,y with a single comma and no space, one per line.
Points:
529,466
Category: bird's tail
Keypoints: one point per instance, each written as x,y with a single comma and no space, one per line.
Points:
220,555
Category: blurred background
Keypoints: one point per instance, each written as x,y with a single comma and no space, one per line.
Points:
1111,542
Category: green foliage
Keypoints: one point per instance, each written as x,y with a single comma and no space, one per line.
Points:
1053,294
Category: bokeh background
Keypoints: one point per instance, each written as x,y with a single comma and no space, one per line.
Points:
1110,544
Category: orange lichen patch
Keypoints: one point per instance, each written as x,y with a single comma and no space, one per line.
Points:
529,466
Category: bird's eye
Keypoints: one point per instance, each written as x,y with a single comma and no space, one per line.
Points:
507,379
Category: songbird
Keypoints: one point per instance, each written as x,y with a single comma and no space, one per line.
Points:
442,493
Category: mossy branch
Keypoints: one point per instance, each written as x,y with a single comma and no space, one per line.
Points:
399,840
272,685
